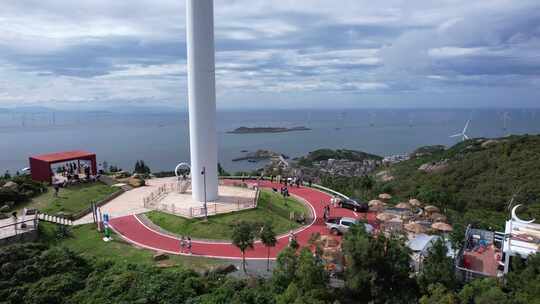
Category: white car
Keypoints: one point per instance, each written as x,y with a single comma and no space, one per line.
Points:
341,225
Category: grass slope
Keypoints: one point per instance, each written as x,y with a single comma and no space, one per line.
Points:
70,200
479,181
87,241
271,207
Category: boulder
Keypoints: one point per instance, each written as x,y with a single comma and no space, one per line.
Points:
434,167
224,269
489,143
160,256
10,185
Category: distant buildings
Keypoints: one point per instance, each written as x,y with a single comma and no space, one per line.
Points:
343,167
394,159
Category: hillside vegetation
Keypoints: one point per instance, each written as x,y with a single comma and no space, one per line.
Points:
326,154
474,179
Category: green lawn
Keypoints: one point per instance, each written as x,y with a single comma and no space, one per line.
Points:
87,241
271,206
70,200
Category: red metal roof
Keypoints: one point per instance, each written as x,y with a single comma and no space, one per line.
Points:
63,156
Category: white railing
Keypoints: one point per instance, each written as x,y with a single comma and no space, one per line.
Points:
154,201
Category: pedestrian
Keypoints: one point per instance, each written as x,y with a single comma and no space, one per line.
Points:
291,236
310,182
182,244
189,245
14,215
56,189
334,201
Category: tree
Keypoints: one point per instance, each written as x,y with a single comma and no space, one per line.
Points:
285,270
524,280
221,171
483,291
299,278
268,238
438,294
310,274
378,267
438,267
243,238
141,168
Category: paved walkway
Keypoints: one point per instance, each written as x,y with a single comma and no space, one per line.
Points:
135,231
129,202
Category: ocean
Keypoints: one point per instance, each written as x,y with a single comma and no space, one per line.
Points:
162,139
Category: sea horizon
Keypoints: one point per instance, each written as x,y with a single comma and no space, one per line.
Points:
162,139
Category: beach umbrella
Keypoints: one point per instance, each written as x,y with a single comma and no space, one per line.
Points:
415,202
376,203
383,217
437,217
442,227
403,206
385,196
431,209
415,227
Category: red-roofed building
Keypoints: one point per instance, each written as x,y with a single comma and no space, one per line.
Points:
40,165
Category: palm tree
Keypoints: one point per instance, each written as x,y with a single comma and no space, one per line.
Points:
243,238
268,238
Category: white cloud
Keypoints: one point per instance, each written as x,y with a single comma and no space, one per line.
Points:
449,51
101,50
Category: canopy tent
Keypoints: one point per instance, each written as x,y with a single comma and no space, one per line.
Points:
40,165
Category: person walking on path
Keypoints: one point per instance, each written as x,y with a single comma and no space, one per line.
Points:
182,244
292,237
189,245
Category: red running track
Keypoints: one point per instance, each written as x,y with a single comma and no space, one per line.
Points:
134,231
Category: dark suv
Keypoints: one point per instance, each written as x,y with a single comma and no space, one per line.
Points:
354,205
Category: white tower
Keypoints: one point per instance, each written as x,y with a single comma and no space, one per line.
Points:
202,99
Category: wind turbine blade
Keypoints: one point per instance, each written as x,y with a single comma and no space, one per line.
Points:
466,126
455,135
465,136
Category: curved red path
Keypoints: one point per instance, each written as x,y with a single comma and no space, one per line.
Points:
134,231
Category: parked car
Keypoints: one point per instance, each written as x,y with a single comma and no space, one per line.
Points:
354,205
341,225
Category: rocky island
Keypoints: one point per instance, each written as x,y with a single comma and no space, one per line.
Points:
260,155
247,130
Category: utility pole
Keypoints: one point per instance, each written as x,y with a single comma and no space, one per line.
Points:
204,186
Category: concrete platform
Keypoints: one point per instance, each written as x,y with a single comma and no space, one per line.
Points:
230,199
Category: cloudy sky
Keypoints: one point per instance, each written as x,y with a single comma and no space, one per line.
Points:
274,53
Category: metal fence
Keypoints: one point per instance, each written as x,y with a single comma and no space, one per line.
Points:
19,227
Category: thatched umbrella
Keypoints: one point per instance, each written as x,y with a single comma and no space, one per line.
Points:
442,227
415,227
431,209
385,196
437,217
403,206
376,203
383,217
414,202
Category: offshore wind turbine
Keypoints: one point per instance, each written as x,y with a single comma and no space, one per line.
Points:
506,118
463,133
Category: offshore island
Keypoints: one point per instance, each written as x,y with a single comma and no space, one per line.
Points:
247,130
